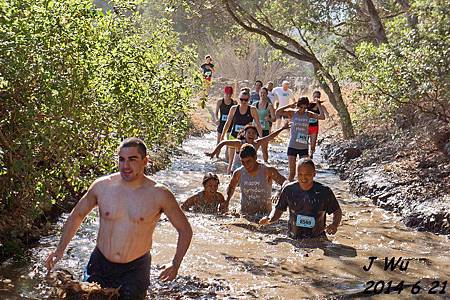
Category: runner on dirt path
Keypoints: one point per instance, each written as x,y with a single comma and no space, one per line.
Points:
207,68
130,205
308,202
255,181
298,142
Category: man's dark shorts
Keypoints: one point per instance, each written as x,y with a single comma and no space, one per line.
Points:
133,278
294,152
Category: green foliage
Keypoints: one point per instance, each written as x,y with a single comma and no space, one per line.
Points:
75,81
413,69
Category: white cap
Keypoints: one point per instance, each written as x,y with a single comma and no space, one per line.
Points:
285,82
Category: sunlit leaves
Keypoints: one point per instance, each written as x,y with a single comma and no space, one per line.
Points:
75,81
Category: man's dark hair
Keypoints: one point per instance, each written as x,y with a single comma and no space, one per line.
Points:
307,162
259,82
266,89
317,92
302,101
247,150
134,142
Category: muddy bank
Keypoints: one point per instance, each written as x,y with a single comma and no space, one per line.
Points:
406,172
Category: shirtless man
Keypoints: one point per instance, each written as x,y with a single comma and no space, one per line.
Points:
308,202
130,205
255,180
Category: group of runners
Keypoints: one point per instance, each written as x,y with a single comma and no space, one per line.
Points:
130,203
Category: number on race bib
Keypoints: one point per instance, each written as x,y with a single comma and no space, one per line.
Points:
305,221
302,138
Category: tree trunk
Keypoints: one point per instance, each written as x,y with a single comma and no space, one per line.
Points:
336,100
375,21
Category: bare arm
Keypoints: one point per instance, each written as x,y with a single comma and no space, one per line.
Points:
228,122
272,113
229,143
172,210
276,176
337,217
191,201
254,113
272,135
274,216
79,212
232,187
222,203
216,113
285,111
320,116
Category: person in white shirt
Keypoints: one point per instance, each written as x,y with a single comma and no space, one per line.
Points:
283,96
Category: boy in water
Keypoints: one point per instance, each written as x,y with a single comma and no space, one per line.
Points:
208,201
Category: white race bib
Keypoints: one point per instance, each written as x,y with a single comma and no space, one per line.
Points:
301,138
224,118
305,221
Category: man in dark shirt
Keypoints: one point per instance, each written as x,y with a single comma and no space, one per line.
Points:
308,203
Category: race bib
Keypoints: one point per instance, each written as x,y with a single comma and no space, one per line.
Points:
224,117
301,138
285,94
305,221
237,128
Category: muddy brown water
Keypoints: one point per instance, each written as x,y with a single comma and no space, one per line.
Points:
233,258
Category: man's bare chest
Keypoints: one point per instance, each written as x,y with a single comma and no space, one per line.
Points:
123,205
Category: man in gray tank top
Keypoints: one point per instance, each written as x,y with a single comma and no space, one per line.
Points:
255,180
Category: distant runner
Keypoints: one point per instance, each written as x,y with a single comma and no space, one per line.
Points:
266,114
208,201
270,93
298,142
207,69
283,95
223,107
255,180
130,205
308,202
254,95
314,123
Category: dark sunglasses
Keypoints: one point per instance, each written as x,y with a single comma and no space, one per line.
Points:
246,99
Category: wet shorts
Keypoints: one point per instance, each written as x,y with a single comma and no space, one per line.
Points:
133,277
295,152
313,129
